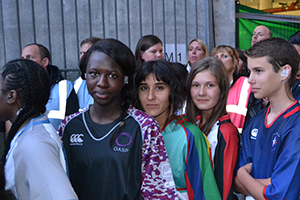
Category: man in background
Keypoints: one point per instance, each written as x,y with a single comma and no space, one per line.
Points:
261,33
63,100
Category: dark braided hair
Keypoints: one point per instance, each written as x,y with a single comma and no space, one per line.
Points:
32,84
4,194
123,56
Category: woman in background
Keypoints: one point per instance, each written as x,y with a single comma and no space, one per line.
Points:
197,50
149,47
240,89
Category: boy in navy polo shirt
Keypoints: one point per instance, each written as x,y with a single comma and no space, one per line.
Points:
270,157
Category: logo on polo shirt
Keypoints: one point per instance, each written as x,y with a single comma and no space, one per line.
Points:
76,139
254,133
275,140
123,141
166,169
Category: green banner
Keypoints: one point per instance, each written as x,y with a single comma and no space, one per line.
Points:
246,26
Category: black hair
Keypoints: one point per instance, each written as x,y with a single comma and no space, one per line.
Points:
32,84
123,56
4,194
162,71
244,71
115,49
295,38
242,55
182,73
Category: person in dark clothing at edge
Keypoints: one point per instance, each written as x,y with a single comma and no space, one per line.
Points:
295,40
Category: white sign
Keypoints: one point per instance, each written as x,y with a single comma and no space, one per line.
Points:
178,54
